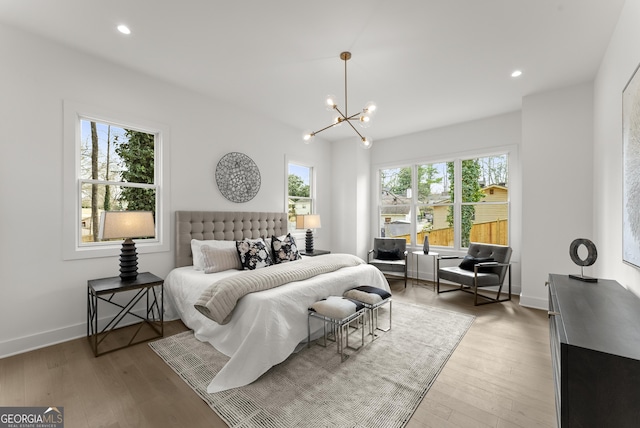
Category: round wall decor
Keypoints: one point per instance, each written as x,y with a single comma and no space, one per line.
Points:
237,177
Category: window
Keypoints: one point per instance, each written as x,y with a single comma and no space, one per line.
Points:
424,200
117,173
111,164
300,192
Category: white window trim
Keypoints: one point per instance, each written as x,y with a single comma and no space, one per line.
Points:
71,247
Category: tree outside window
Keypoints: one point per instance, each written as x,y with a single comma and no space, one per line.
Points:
300,192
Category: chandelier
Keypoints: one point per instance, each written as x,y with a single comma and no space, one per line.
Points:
363,117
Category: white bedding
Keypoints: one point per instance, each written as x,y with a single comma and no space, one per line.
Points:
266,326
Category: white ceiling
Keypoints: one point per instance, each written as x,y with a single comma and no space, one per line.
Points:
427,63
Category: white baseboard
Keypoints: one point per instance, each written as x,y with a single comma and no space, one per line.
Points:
534,302
32,342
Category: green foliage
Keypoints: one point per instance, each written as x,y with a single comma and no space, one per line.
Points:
398,181
471,192
297,187
137,154
427,175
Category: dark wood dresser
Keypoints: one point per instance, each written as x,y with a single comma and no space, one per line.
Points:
595,352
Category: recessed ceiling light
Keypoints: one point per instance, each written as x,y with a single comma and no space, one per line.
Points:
516,73
124,29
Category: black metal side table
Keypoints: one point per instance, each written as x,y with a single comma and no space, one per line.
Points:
146,285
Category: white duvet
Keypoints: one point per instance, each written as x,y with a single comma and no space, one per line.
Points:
267,326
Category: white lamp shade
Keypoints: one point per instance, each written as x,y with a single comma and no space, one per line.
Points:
310,221
126,224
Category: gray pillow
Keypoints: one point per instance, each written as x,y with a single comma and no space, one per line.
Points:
219,259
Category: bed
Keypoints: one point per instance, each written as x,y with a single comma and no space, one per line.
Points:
267,326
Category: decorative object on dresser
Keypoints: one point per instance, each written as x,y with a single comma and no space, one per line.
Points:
592,255
363,117
309,221
144,285
237,177
595,352
127,225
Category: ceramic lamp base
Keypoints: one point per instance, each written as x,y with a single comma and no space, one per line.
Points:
128,260
308,242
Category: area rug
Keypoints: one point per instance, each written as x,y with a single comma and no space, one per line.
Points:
381,385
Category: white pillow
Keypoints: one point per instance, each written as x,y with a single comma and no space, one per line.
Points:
220,259
196,251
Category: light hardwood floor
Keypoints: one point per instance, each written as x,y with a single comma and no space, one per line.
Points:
499,376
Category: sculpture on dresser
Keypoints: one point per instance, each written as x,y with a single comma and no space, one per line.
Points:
592,255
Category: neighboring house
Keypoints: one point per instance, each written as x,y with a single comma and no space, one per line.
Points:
484,213
395,214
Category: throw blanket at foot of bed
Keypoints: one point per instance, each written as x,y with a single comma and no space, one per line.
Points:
218,300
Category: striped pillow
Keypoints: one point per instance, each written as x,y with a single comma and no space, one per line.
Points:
219,259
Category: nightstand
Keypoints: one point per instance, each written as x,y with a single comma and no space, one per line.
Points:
315,253
146,285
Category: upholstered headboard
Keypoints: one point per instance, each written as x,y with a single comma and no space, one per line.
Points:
223,225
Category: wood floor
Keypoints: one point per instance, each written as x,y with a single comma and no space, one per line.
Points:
499,376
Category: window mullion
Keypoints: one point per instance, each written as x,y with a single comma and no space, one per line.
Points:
414,205
457,204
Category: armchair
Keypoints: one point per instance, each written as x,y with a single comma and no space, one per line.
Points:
484,265
390,256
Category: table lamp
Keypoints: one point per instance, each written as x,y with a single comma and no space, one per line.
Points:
127,225
309,221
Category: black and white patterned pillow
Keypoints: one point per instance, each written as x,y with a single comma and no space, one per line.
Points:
284,249
253,254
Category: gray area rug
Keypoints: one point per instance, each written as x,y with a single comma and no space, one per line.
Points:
381,385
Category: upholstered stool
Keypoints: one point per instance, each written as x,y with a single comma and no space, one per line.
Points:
372,298
337,312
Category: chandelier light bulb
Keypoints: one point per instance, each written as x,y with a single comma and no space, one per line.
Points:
337,120
370,108
366,142
331,102
307,137
364,120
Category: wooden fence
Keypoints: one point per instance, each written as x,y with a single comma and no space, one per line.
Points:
491,232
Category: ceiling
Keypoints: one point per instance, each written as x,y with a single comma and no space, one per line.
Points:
427,63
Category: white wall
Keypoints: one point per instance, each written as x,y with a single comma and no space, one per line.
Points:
43,298
620,61
350,198
557,195
499,133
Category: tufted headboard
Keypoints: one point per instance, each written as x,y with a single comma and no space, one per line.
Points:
223,225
